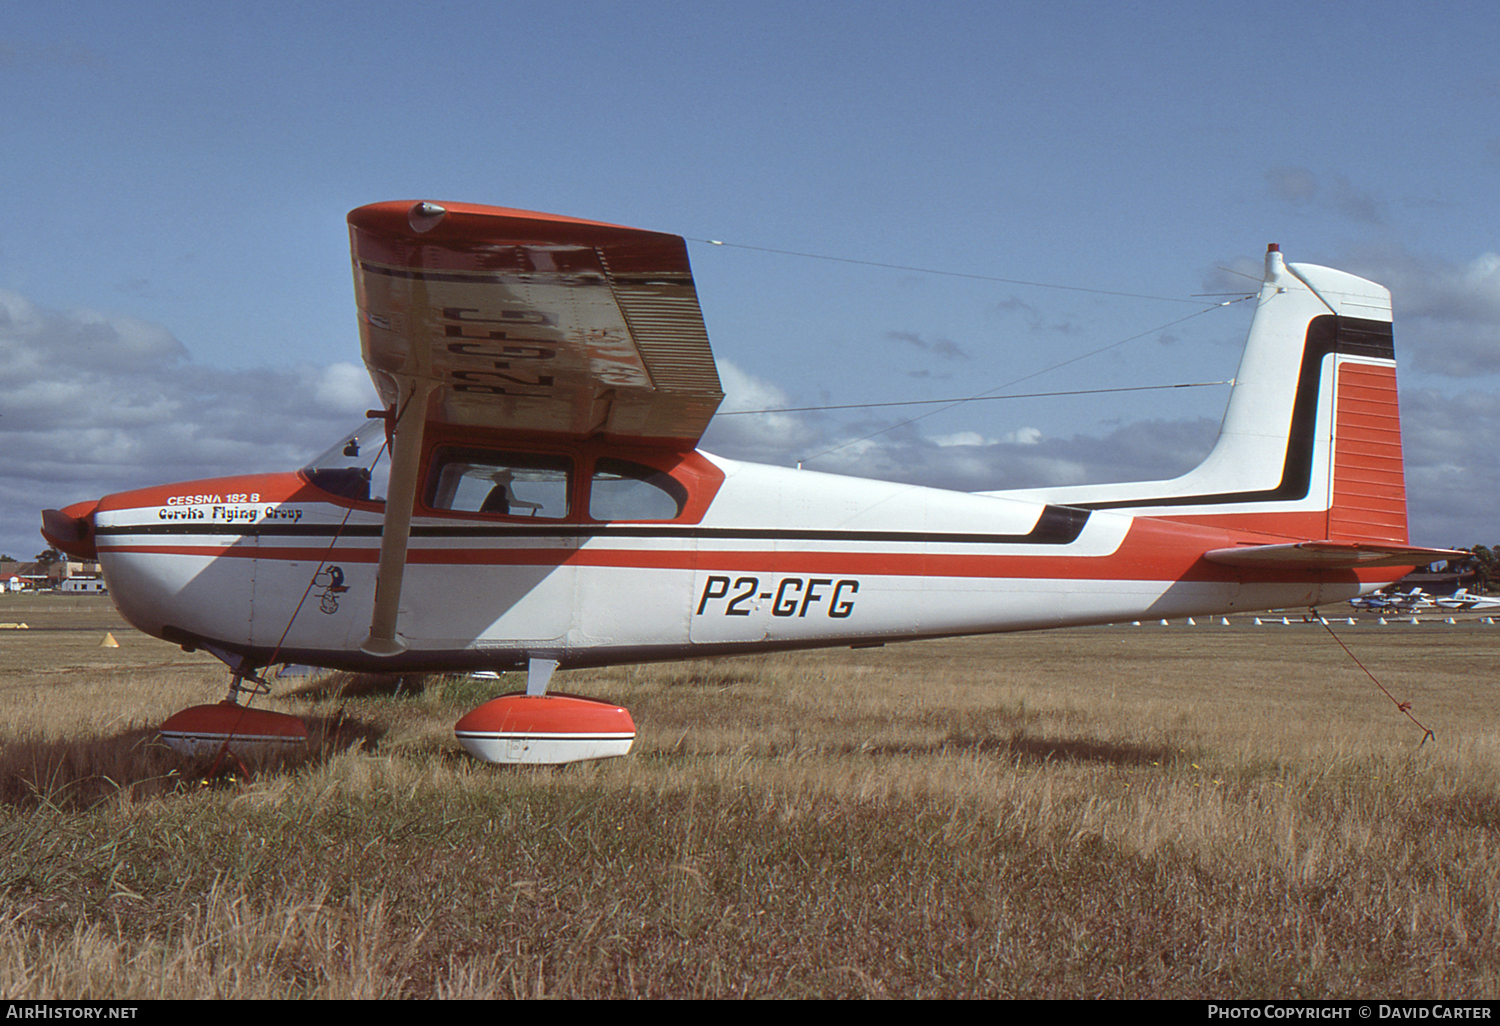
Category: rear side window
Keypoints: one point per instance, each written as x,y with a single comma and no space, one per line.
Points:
500,483
622,490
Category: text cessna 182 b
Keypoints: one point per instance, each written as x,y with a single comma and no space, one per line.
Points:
545,382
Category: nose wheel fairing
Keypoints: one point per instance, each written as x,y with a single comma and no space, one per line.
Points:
207,730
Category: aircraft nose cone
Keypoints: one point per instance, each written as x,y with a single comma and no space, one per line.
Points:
71,530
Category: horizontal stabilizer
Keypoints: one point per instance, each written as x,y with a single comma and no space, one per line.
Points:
1329,555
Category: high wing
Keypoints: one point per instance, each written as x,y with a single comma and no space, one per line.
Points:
533,323
515,321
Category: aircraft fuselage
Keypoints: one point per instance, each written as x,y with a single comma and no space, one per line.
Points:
756,558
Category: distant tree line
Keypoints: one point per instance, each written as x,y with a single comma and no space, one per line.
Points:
1482,563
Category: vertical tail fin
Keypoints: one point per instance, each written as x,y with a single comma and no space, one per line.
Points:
1310,446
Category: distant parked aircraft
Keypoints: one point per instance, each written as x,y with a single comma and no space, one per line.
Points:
1394,602
1461,599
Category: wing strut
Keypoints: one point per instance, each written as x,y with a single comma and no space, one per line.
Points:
410,416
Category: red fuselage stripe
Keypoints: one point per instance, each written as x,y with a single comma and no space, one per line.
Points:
1130,563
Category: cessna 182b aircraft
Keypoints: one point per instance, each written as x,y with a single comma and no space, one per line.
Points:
545,382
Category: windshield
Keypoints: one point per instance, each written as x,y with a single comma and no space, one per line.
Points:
356,467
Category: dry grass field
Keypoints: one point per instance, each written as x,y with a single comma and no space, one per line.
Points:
1209,811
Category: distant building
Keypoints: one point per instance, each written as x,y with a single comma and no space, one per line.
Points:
52,576
25,577
63,569
1436,582
84,585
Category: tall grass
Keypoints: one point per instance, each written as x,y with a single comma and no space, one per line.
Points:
1112,813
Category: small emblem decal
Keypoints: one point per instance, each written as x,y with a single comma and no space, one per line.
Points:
331,580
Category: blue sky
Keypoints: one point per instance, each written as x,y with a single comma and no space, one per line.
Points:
175,296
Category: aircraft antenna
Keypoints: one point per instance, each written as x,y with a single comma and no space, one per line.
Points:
930,270
1027,377
973,399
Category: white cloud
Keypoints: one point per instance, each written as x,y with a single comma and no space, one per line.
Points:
1020,436
93,403
970,461
1447,315
960,438
744,391
1302,189
944,347
1292,184
1452,477
761,437
345,387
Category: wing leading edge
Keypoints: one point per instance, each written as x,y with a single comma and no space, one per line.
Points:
533,323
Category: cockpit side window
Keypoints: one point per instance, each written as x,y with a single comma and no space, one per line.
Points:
500,483
358,467
622,490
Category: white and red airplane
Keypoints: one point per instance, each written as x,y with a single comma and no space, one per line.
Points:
545,382
1462,599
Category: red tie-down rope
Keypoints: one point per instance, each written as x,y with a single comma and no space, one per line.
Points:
1405,707
391,416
